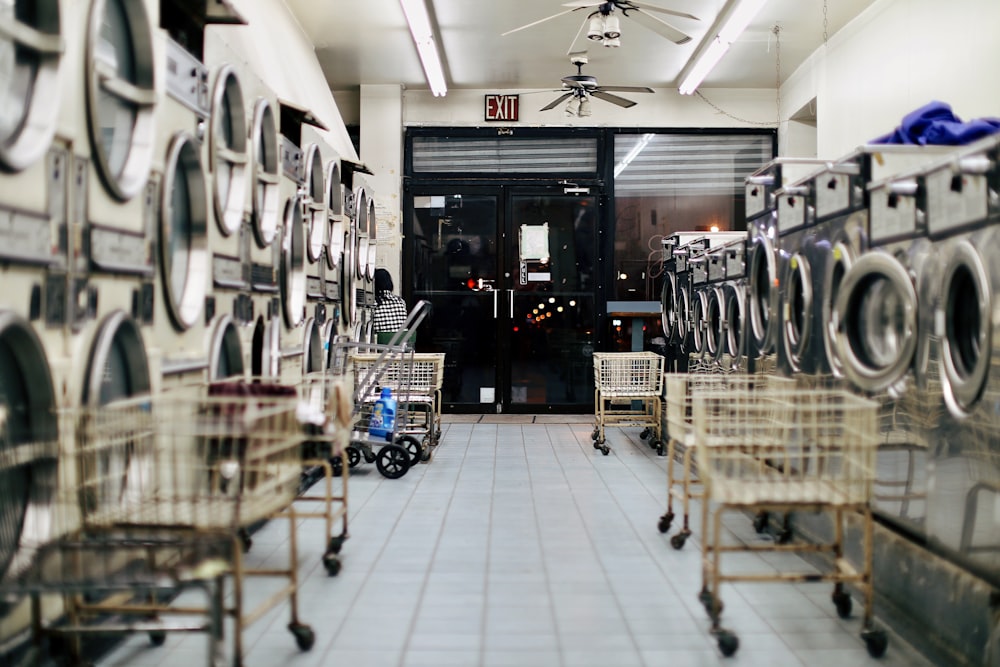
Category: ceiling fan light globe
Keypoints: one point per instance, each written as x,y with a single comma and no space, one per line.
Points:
596,31
612,43
584,108
573,107
612,27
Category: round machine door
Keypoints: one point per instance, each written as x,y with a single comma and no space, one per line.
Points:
840,262
668,307
266,176
293,264
184,255
114,472
348,295
361,233
314,204
699,312
228,151
875,316
796,311
372,241
121,94
31,47
265,355
715,327
683,314
968,337
27,423
735,305
225,357
335,214
763,295
312,354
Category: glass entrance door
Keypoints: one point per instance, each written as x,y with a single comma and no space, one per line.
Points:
512,276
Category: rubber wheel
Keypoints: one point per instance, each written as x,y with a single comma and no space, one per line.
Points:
605,450
876,641
412,447
157,637
661,449
336,466
593,436
353,456
644,434
332,565
678,540
425,456
842,601
665,521
245,539
304,635
760,522
370,457
392,461
728,643
336,544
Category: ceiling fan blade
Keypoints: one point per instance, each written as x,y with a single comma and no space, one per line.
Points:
556,102
530,25
614,99
663,10
580,4
570,82
627,89
660,26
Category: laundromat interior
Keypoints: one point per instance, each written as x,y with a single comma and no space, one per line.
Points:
701,364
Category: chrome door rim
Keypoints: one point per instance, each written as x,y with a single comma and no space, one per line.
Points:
966,354
228,162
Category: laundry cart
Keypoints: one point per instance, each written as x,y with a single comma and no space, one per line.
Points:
801,450
153,492
628,386
679,391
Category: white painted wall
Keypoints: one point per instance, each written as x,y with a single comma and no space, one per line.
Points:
381,106
893,58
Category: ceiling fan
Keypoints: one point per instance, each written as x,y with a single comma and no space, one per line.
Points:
580,87
603,25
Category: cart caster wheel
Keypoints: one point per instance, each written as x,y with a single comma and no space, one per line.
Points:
412,447
336,466
370,457
393,461
678,540
644,434
661,449
593,436
245,540
304,635
336,544
425,456
728,643
705,598
842,601
784,536
760,521
665,521
157,637
353,456
332,564
876,641
605,450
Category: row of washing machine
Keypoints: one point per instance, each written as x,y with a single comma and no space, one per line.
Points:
876,272
165,219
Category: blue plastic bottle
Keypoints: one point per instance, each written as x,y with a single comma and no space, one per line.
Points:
383,415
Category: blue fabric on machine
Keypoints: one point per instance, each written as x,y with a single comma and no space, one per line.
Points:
935,123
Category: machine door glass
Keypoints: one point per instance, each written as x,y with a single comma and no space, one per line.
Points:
31,46
511,276
968,328
228,150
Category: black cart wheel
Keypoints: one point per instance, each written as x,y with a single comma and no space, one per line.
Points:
336,544
353,456
842,601
245,540
593,436
876,641
157,637
665,521
760,522
412,447
304,635
425,456
393,461
728,642
336,466
644,433
678,540
605,450
332,564
661,449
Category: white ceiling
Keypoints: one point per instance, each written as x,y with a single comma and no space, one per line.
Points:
367,42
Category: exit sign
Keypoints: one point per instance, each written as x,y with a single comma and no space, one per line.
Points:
502,107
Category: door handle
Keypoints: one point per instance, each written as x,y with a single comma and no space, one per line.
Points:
495,304
511,303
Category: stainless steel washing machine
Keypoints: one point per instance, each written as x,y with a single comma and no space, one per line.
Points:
314,199
734,293
714,324
963,219
707,271
673,305
337,234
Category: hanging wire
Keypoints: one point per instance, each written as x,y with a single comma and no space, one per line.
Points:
826,23
777,72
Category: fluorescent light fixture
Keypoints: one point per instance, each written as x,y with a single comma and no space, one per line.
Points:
423,37
633,154
740,15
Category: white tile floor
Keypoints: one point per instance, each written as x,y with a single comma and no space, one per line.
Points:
521,545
